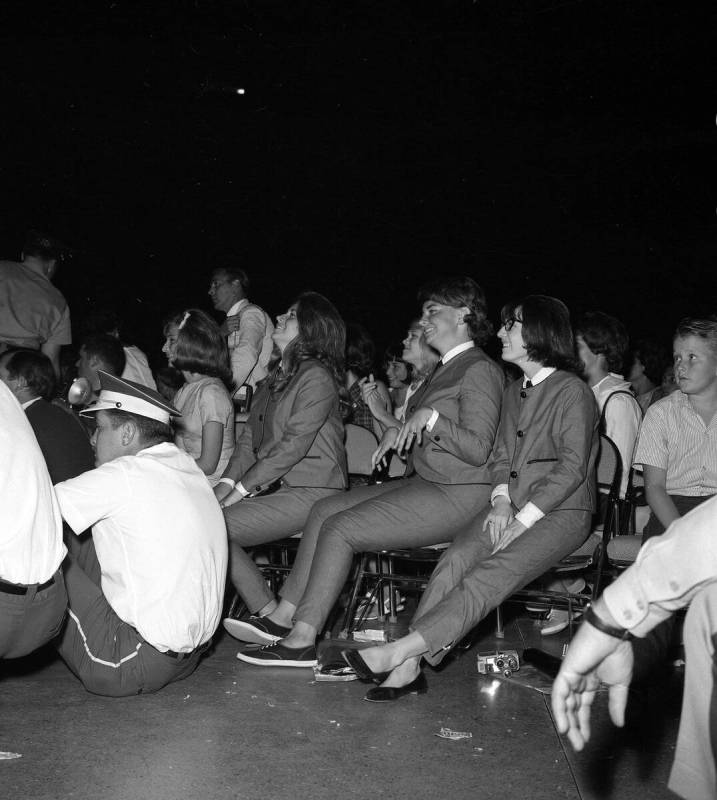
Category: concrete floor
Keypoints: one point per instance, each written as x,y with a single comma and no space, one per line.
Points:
236,731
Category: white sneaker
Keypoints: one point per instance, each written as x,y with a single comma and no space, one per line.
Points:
555,622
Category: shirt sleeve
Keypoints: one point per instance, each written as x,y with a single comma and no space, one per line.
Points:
652,445
215,405
668,572
62,332
245,344
94,495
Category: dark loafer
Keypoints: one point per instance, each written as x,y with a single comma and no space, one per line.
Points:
355,660
385,694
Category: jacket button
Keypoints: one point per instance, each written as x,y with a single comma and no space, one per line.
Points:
261,417
257,488
523,393
520,434
513,474
436,438
255,450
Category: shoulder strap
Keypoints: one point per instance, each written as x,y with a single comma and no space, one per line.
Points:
609,398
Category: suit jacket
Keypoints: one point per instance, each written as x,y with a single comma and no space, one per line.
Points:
296,436
547,444
467,393
62,439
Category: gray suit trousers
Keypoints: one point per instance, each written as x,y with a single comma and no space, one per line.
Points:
411,512
469,580
262,519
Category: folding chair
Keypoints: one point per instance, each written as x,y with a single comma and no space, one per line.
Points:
592,554
360,445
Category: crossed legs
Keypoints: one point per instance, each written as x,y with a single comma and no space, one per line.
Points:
407,513
469,581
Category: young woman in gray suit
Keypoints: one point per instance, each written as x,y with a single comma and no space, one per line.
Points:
544,493
448,433
291,452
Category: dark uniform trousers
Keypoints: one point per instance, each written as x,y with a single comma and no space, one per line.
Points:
104,652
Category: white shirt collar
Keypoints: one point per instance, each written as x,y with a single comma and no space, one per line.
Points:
237,307
453,352
540,376
30,402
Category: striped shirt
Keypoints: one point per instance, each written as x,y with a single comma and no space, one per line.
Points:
674,437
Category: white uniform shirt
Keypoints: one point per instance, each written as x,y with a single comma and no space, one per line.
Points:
31,548
161,542
668,572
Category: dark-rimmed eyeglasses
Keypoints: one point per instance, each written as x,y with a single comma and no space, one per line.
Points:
508,323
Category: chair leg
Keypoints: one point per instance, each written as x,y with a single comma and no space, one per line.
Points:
499,629
348,626
391,595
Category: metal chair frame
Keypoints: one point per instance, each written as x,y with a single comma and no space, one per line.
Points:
593,552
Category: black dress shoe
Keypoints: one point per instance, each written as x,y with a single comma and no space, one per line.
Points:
385,694
355,660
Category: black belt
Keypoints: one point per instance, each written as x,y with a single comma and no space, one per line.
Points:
14,588
172,654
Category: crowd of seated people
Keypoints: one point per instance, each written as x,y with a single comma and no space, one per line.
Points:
503,470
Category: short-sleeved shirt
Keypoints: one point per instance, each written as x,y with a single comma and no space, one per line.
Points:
31,548
199,402
33,312
161,543
675,438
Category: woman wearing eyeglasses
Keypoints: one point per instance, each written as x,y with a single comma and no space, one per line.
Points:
541,504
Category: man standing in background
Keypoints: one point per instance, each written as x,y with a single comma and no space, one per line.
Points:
249,328
33,312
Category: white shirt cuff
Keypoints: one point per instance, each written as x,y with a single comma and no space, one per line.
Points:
228,481
432,421
529,515
501,490
242,491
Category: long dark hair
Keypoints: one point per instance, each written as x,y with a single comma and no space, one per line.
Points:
322,336
547,332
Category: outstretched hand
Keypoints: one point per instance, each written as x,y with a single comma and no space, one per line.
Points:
593,657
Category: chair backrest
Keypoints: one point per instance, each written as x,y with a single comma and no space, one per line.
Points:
609,467
360,446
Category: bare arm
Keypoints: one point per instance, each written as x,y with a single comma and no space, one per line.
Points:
212,436
659,501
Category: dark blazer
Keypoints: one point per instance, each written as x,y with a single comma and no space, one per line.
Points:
467,393
547,444
296,436
62,439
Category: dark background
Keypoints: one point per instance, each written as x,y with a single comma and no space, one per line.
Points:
560,147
